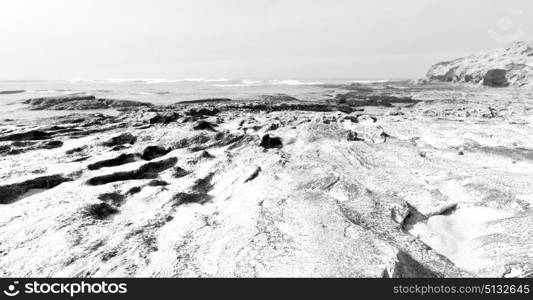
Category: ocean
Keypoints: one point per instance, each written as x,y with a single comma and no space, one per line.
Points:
157,91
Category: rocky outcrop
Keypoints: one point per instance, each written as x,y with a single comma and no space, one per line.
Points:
268,142
280,97
112,162
81,102
208,100
26,135
121,139
509,66
11,192
18,147
152,152
164,117
146,171
8,92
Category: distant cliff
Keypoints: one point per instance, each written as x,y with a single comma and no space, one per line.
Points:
510,66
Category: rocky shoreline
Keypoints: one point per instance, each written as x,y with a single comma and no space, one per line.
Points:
426,180
508,66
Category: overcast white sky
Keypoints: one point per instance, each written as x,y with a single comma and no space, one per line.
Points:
94,39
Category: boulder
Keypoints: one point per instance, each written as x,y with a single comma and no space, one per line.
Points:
152,152
164,118
204,125
121,139
271,142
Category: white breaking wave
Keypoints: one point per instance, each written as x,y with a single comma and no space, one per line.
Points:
247,83
65,92
229,82
370,81
221,82
293,82
206,79
242,83
164,80
135,80
147,80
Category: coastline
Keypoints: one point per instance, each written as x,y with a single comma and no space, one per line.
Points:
372,181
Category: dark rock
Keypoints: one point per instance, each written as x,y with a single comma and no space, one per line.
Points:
46,102
9,193
12,92
407,267
204,184
100,211
152,152
5,149
121,139
385,136
271,142
81,102
180,172
204,125
17,147
147,171
28,135
183,198
352,136
204,111
345,109
379,99
121,104
273,126
243,140
157,182
206,154
117,161
114,197
134,190
165,118
107,256
254,175
256,106
220,139
192,141
75,150
208,100
365,118
274,98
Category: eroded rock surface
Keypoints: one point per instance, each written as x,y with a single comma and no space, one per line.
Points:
390,180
